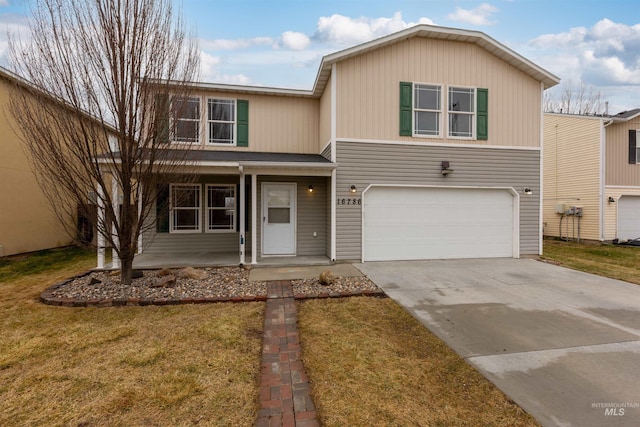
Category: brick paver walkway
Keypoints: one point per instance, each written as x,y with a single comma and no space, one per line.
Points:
285,398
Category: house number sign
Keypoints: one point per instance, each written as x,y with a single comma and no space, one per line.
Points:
349,201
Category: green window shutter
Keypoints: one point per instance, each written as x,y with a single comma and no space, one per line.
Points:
243,123
482,114
406,109
162,208
162,119
632,146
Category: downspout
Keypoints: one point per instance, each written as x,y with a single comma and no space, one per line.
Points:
242,216
334,174
541,205
603,162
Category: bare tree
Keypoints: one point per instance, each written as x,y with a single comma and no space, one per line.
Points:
580,99
88,115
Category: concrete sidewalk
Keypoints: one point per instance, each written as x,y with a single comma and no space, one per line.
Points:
564,345
265,274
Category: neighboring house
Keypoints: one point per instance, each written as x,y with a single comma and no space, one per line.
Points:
424,144
27,222
592,163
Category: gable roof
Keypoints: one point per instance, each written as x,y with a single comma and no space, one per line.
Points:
428,31
442,33
626,115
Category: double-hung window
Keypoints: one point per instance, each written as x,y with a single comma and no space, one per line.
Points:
427,108
221,207
221,121
461,112
186,119
185,208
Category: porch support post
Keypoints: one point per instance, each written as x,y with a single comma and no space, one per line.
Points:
254,219
242,219
140,190
333,214
99,224
115,199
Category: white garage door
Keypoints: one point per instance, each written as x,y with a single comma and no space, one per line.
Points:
628,217
410,223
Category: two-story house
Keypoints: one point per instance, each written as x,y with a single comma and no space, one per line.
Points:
27,222
591,163
424,144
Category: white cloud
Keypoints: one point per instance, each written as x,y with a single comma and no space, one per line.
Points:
481,15
295,41
342,30
608,53
225,44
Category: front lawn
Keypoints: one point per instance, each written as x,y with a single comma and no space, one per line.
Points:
178,365
616,262
371,363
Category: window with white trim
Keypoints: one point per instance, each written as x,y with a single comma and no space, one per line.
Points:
186,119
427,109
461,112
185,208
221,121
221,208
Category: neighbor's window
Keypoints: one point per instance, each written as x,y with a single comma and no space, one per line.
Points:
186,119
185,208
221,119
461,112
637,147
221,207
427,109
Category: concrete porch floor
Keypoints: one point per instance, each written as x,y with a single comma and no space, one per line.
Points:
208,259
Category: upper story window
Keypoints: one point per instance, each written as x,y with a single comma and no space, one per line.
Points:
221,121
427,109
200,119
422,112
186,119
634,147
461,112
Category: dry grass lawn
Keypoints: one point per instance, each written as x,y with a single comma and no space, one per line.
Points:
371,364
151,366
617,262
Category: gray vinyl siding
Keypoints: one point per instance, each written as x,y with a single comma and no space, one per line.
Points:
311,213
326,153
362,164
185,243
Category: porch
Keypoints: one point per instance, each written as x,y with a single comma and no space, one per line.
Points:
225,259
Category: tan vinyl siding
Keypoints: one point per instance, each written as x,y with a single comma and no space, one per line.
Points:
368,90
572,165
325,118
279,124
27,221
619,171
362,164
611,209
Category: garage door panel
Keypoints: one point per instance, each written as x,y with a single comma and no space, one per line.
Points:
407,223
628,217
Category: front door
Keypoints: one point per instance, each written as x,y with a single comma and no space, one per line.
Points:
279,219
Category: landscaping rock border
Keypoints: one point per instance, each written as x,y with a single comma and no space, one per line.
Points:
212,285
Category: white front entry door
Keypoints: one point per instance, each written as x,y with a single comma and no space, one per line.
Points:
279,219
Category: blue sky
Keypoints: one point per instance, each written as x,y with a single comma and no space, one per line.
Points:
280,43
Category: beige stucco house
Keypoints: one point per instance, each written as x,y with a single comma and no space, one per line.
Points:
423,144
592,162
27,222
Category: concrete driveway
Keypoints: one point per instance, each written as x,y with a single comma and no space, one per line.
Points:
564,345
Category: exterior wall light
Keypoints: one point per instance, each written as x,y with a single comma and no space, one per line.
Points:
353,189
310,189
445,169
528,191
611,199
